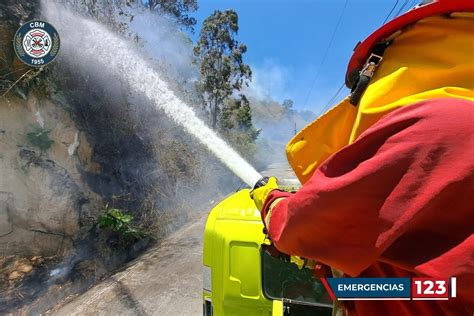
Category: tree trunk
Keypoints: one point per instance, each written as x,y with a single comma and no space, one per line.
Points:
214,113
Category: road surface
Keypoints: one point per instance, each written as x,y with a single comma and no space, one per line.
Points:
166,280
282,171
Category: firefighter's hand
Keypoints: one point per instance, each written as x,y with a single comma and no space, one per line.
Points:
263,187
300,262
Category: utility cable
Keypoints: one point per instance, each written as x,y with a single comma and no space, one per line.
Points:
336,94
402,7
391,11
334,98
318,71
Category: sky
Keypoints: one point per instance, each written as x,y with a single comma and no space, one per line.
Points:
288,43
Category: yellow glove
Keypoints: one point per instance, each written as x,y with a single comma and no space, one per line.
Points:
259,193
302,262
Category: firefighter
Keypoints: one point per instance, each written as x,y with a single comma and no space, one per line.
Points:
388,174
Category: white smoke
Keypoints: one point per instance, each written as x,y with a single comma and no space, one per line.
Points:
269,80
89,43
164,42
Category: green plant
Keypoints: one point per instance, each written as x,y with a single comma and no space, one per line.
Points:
120,223
220,58
39,137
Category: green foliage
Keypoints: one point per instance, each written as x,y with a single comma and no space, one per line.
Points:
222,75
118,13
39,137
236,116
278,123
177,9
236,125
222,71
120,223
242,142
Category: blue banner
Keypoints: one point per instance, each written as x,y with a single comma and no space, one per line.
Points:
353,288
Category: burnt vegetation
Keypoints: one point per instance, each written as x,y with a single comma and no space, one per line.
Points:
151,176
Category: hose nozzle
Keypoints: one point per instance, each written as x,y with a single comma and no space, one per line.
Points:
261,182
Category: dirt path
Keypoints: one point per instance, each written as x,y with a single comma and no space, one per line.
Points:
166,280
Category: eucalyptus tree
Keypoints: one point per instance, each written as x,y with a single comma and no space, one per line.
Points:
220,56
176,9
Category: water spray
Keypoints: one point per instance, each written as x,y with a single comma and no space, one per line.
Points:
117,55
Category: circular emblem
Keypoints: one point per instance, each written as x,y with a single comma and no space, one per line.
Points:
36,43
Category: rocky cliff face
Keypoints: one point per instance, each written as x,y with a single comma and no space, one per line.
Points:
73,141
43,197
50,197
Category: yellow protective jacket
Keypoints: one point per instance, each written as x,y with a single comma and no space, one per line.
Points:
396,201
430,59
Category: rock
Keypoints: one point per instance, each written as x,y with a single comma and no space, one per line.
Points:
43,197
24,267
86,268
84,154
6,227
37,260
15,275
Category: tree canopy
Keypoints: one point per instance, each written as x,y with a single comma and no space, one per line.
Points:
220,57
177,9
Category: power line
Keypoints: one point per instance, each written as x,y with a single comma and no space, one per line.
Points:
390,13
318,71
334,98
402,7
336,94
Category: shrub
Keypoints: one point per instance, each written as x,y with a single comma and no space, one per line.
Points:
39,138
119,223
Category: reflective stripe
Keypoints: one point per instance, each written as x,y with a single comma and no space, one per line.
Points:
269,213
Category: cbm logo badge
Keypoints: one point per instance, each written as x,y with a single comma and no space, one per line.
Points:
36,43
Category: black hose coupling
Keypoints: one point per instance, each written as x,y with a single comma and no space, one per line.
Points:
260,183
